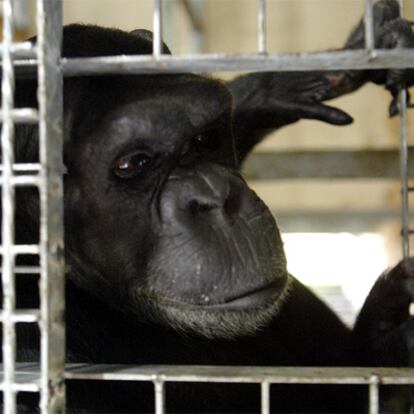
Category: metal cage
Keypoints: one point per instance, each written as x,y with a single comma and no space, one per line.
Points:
44,56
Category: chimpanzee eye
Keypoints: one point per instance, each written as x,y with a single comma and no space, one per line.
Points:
132,165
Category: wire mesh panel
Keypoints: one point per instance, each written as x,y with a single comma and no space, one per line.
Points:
46,177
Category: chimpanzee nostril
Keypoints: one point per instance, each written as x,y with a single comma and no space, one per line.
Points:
228,207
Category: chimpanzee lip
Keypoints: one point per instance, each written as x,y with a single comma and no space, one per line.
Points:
260,297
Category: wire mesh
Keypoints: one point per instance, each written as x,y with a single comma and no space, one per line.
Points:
46,176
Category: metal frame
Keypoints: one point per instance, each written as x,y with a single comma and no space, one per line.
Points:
47,176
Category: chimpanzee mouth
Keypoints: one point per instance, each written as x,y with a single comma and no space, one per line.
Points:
242,315
261,297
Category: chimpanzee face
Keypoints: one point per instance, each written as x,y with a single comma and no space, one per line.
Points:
158,218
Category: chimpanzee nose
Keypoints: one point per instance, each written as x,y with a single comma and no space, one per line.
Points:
205,203
204,192
212,193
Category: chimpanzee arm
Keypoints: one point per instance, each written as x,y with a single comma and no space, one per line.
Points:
267,101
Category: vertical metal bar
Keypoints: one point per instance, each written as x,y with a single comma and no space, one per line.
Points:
369,25
159,390
404,180
265,396
7,231
49,27
374,395
405,231
157,29
262,37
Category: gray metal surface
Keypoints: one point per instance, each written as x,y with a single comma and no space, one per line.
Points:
7,230
369,26
338,60
262,36
157,29
52,299
404,167
46,176
226,374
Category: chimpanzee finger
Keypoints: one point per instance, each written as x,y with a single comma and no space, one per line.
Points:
324,113
394,109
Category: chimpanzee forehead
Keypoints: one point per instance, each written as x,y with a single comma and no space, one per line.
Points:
166,123
152,106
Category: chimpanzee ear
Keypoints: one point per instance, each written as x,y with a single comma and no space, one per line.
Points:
147,35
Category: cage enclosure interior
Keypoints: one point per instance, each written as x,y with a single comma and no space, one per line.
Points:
188,225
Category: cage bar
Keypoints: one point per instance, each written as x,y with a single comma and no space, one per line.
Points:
157,29
159,390
404,167
374,395
236,374
262,19
21,50
7,191
22,116
26,316
218,62
265,397
369,26
405,230
50,82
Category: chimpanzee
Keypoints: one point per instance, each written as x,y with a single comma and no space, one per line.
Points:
172,259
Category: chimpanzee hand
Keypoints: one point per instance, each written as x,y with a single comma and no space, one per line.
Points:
391,32
267,101
384,331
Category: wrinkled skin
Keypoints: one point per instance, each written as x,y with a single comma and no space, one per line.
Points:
173,259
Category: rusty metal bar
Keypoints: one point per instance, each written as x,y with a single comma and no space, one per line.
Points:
7,231
52,299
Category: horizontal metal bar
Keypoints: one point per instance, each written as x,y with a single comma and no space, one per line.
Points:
24,167
24,180
324,164
21,49
27,377
23,387
26,270
23,116
23,249
137,64
29,373
26,316
273,375
355,59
